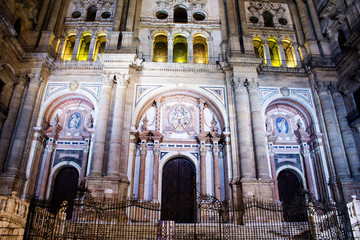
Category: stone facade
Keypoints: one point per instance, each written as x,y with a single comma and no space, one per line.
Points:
251,93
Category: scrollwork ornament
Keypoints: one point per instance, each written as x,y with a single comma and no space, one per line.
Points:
143,150
322,87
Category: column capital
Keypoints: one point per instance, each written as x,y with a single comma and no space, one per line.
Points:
216,151
334,89
107,80
252,84
203,151
35,78
237,83
122,79
322,87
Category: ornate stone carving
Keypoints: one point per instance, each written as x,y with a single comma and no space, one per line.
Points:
285,91
322,87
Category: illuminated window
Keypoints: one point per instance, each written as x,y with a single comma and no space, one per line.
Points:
274,53
289,53
268,19
91,14
259,48
68,48
180,14
84,48
200,50
99,46
180,50
160,49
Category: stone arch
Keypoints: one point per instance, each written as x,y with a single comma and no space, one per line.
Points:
148,101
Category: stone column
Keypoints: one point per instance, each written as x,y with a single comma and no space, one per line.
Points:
143,152
23,125
304,19
346,133
273,169
296,51
42,14
244,129
9,124
282,53
226,159
131,15
201,114
258,125
156,151
115,164
50,147
102,120
91,48
118,15
170,48
203,152
76,47
190,49
158,115
54,15
267,53
216,176
306,156
333,132
84,162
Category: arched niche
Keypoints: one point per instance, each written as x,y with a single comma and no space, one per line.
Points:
274,52
180,14
180,49
200,49
160,48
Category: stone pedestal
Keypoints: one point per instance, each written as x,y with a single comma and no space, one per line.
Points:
11,182
107,188
260,189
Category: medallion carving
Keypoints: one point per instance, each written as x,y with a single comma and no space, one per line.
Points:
179,118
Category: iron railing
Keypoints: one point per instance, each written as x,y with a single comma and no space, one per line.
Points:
213,219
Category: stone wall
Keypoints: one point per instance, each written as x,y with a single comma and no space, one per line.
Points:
13,215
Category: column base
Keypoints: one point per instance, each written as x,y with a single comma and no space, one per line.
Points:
11,182
344,189
110,188
263,189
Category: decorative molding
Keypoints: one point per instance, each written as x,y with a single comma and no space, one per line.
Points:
92,88
142,90
266,93
218,92
53,88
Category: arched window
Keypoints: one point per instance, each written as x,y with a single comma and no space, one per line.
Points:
91,14
180,50
274,53
268,19
68,48
84,47
99,46
258,47
289,53
200,50
180,14
341,39
160,49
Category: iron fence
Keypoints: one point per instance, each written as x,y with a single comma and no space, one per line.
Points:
213,219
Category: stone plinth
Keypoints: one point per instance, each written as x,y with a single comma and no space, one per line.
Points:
260,189
11,182
107,188
343,190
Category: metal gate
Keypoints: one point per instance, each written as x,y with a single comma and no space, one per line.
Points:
135,219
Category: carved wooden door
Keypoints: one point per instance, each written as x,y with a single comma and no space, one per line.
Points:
178,191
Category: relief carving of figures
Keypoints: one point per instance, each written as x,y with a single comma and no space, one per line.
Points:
282,125
74,121
180,118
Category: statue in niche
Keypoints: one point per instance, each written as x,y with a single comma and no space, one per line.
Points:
282,125
74,121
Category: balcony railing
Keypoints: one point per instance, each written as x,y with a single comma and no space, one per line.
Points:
171,20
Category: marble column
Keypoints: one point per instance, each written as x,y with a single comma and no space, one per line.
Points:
203,152
143,152
282,53
23,125
258,125
226,159
84,162
346,133
308,176
91,48
170,48
334,135
273,169
158,115
9,124
201,114
76,47
244,129
156,151
50,147
190,49
216,176
267,53
97,160
115,163
297,56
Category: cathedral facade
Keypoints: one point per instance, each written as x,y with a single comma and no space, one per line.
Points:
159,99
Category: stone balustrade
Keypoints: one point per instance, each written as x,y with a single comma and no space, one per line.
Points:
13,215
354,215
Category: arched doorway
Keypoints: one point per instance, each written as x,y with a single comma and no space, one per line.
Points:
291,195
178,191
65,185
